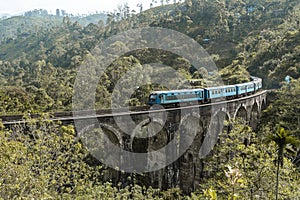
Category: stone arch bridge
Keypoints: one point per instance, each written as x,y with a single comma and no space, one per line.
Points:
197,126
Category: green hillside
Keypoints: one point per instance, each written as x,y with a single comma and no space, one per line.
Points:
39,20
243,37
41,54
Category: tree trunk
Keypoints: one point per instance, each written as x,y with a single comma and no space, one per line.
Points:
277,178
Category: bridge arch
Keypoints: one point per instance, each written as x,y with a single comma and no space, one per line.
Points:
93,131
191,132
137,136
241,113
99,140
254,116
113,134
263,104
216,126
160,139
148,136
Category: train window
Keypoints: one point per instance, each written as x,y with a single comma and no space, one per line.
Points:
171,97
152,97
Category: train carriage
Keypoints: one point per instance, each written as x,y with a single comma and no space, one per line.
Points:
230,92
257,84
176,96
214,93
250,88
244,88
221,92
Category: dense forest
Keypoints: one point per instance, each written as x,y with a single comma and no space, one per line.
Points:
40,54
43,53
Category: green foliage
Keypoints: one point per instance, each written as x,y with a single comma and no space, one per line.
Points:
211,193
241,167
284,108
281,121
282,139
45,60
42,162
45,160
39,20
235,73
15,100
38,62
273,53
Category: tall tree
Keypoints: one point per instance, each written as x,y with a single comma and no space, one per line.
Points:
282,138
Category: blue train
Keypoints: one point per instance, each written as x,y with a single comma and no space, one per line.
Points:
205,95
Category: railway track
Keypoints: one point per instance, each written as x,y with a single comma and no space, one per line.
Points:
88,114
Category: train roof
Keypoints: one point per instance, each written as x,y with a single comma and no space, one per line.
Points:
220,87
255,78
176,91
191,90
242,84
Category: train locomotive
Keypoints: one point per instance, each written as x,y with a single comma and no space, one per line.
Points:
205,95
